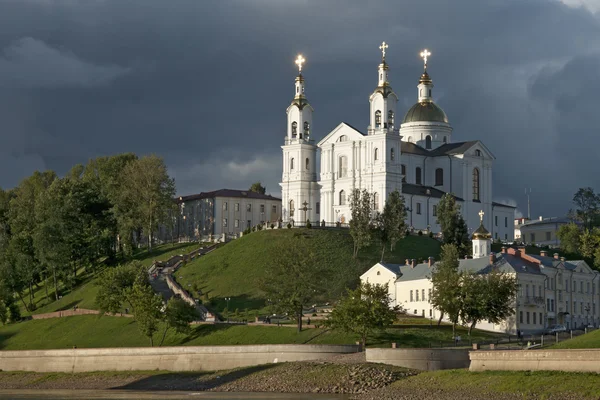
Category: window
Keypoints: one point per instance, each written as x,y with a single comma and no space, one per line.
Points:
236,207
376,154
552,304
478,153
236,223
377,119
574,306
532,236
292,164
439,177
392,155
566,286
567,306
418,176
249,223
342,198
417,295
342,167
225,206
429,297
378,272
390,118
419,208
475,184
248,207
560,295
548,236
541,320
506,222
224,221
306,129
521,316
435,211
274,210
581,307
496,220
291,208
428,142
342,138
411,295
528,317
423,295
294,129
506,236
403,172
548,304
376,201
534,318
580,286
262,208
307,162
318,208
445,140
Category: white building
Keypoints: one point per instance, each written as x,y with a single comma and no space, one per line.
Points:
552,289
543,231
415,155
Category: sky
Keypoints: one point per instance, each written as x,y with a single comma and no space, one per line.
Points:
205,84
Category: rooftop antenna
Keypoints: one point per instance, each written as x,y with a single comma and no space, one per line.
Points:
528,204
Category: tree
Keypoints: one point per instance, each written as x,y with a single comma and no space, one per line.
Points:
363,311
148,308
295,278
446,293
257,187
587,205
590,242
178,316
391,225
360,224
453,226
114,287
570,237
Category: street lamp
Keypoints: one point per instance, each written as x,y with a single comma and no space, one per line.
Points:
227,299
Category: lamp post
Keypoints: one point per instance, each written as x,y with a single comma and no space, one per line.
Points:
227,299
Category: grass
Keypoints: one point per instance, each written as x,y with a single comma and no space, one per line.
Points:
235,269
588,341
92,331
525,384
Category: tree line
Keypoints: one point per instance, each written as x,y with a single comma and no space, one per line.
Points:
51,227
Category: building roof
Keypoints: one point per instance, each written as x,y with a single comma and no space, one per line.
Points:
408,147
502,205
227,193
425,111
553,220
447,149
420,190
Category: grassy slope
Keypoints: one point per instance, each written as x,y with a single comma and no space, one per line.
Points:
588,341
235,269
94,331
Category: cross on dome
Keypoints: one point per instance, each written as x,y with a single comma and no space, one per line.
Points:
383,47
424,55
299,61
481,214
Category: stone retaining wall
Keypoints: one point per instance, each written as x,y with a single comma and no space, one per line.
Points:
584,360
421,359
196,358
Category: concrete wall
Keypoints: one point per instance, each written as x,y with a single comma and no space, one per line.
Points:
206,358
585,360
421,359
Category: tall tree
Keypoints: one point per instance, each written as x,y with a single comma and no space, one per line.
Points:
360,224
178,316
258,188
453,226
570,237
147,307
446,293
114,287
391,223
149,191
363,311
295,277
587,207
590,242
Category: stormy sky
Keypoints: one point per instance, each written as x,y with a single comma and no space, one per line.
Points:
205,84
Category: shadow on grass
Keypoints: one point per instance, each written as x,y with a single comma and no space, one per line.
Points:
192,380
3,337
162,250
240,303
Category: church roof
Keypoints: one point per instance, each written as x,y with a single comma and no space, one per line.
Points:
420,190
425,111
495,204
411,148
481,233
227,193
447,149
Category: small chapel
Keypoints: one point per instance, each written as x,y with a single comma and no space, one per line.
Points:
414,154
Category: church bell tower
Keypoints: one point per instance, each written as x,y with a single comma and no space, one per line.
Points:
299,187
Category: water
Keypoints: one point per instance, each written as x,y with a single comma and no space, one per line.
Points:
174,395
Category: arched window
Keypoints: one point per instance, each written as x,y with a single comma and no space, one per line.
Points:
478,153
342,198
306,129
294,129
377,119
403,171
428,142
390,118
475,184
410,139
418,176
445,140
342,138
392,154
342,167
376,201
291,208
292,164
307,164
439,177
376,154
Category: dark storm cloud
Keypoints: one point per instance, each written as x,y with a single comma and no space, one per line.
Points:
206,83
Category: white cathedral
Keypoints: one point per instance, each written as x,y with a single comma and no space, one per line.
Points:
417,157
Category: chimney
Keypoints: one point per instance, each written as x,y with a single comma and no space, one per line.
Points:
413,263
492,257
503,250
556,256
521,250
407,261
430,261
544,253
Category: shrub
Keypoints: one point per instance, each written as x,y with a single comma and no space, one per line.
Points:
272,226
420,233
259,227
338,224
308,224
254,229
289,225
431,234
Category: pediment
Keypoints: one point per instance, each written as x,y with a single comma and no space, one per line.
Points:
479,148
343,130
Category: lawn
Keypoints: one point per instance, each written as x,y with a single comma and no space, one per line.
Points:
588,341
235,269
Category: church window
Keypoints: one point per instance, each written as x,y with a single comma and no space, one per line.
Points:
377,119
342,138
439,177
342,167
307,164
342,198
478,153
378,272
249,207
495,220
444,140
376,156
318,208
475,184
403,172
292,164
435,211
429,92
292,208
418,176
306,129
428,142
294,129
375,201
392,154
419,208
506,222
390,118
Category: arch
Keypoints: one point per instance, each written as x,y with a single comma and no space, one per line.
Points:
342,198
428,142
292,163
307,164
342,138
342,167
294,129
445,140
376,154
375,201
439,177
292,208
377,119
476,193
392,154
390,118
306,129
418,176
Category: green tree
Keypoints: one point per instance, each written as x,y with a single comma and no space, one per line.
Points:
148,309
590,241
9,311
295,277
360,224
364,311
570,237
446,293
587,207
114,287
257,187
453,226
391,225
178,316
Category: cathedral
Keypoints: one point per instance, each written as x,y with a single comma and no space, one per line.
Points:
415,155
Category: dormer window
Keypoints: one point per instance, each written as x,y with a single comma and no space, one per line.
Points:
377,119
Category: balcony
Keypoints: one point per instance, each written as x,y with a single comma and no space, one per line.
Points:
533,301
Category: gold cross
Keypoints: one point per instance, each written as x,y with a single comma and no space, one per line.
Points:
424,54
299,61
383,47
481,214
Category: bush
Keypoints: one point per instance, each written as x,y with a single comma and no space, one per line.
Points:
420,233
289,225
431,235
338,224
259,227
272,226
308,224
254,229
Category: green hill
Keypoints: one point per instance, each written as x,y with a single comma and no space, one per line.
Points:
588,341
235,269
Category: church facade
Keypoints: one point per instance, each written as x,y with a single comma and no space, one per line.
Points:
414,155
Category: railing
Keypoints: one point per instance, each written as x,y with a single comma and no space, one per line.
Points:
534,301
